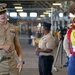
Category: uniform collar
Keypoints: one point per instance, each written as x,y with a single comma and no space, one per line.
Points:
47,34
7,25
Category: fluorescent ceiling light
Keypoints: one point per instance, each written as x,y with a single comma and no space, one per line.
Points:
38,18
16,4
57,4
19,10
13,14
42,15
33,14
45,12
18,7
48,11
23,14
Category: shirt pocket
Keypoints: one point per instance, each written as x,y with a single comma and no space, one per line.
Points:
12,33
43,44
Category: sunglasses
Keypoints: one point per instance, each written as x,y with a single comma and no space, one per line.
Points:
2,12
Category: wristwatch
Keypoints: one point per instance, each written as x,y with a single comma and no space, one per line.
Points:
22,61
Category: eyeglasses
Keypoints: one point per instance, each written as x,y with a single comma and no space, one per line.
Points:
2,12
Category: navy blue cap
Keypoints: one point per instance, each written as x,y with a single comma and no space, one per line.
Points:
46,25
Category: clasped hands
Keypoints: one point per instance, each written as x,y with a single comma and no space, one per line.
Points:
37,49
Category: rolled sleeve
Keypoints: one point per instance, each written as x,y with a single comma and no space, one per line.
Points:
50,43
16,39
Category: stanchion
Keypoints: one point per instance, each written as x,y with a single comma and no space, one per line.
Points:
61,54
59,49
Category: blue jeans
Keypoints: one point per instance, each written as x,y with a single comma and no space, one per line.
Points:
71,66
67,61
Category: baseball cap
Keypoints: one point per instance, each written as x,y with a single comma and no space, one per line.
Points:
46,25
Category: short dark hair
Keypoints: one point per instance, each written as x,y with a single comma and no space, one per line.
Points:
48,29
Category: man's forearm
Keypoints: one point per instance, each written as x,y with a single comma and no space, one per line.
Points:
19,53
20,57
